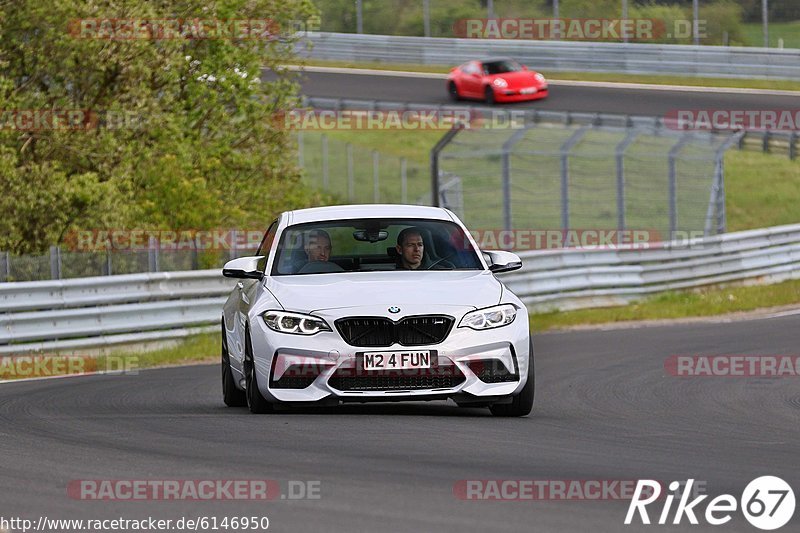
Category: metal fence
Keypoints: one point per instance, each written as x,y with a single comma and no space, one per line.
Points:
583,176
630,58
471,181
64,263
111,311
354,174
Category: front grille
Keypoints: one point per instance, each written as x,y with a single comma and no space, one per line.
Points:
442,377
380,332
492,371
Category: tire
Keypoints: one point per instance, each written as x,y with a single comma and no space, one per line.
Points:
452,89
231,395
522,403
489,95
255,401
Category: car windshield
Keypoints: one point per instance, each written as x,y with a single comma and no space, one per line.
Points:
500,67
369,245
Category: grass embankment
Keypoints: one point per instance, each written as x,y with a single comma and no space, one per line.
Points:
788,31
677,305
195,349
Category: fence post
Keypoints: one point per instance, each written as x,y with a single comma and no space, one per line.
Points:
426,17
232,249
435,151
508,146
403,181
300,150
7,267
351,179
673,185
55,263
620,153
565,149
792,147
376,192
716,200
325,162
152,255
109,265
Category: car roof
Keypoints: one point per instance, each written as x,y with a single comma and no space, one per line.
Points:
343,212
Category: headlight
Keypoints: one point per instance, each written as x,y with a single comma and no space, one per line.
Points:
491,317
295,323
500,82
539,78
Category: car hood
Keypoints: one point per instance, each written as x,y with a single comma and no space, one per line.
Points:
319,292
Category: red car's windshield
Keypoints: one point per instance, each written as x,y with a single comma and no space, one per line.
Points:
501,67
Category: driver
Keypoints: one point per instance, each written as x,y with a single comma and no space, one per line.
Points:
410,248
318,245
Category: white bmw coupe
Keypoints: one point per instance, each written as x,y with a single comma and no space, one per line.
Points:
366,303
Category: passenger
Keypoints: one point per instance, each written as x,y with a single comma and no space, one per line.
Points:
318,245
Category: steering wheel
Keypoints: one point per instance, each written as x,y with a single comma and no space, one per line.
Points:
446,265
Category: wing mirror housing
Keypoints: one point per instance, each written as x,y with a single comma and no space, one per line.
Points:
243,268
501,261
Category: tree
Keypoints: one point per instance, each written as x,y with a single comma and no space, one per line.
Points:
170,130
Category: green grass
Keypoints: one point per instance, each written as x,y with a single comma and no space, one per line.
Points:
198,348
676,305
781,85
761,190
202,348
788,31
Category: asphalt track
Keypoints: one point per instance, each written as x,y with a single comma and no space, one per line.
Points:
646,102
605,410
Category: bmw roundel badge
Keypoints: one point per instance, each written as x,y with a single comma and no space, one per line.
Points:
394,309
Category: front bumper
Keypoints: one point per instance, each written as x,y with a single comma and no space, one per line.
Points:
294,368
510,95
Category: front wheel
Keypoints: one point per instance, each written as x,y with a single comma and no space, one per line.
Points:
231,395
489,96
255,400
522,403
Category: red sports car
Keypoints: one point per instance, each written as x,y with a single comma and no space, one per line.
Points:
496,80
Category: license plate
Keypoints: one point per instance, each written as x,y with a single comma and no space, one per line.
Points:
529,90
397,360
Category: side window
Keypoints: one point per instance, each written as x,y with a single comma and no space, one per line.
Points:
266,244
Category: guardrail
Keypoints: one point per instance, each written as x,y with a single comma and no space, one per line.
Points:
571,279
108,311
632,58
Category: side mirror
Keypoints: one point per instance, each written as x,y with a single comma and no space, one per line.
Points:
243,268
500,261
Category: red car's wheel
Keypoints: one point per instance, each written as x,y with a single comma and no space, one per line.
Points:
453,90
489,95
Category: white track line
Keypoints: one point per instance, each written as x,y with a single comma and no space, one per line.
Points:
563,83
